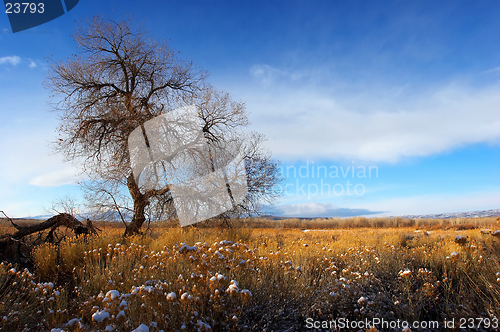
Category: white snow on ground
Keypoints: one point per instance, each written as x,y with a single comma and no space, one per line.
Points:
185,248
99,316
112,294
142,328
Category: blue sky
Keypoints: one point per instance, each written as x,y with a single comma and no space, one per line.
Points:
410,89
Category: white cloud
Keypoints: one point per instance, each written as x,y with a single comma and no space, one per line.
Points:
434,203
495,70
12,60
421,204
267,74
29,157
373,123
63,176
319,210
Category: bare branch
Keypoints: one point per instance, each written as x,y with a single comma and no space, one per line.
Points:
63,219
12,222
117,207
121,79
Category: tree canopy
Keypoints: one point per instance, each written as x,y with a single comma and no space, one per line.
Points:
121,78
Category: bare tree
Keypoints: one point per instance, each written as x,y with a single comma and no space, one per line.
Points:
66,204
222,121
121,79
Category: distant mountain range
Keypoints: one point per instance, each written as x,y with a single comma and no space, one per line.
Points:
113,215
471,214
41,217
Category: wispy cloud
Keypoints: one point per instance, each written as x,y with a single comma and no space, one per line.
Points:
495,71
12,60
398,206
434,203
373,123
268,74
318,210
64,176
31,159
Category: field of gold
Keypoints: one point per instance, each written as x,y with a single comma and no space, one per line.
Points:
254,279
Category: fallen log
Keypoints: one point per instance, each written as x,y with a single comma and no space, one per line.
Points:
63,219
13,249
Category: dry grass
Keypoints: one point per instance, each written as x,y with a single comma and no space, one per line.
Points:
362,222
250,279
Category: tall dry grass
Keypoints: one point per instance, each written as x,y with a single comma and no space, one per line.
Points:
362,222
250,279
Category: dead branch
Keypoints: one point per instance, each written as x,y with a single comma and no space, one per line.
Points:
63,219
10,219
15,249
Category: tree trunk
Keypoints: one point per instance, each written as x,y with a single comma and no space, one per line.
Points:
140,203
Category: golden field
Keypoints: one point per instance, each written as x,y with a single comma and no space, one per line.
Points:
253,278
